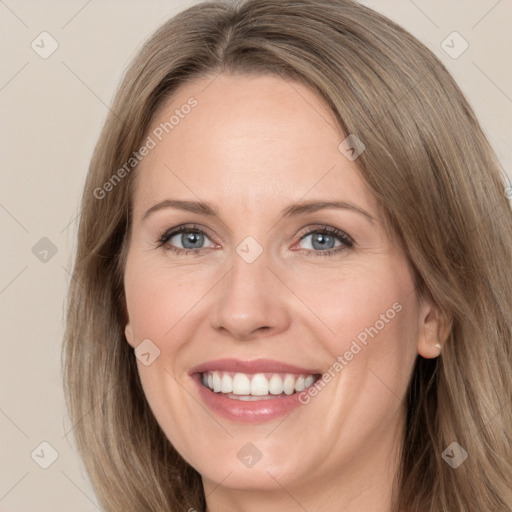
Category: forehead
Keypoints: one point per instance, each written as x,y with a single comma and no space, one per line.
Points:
255,138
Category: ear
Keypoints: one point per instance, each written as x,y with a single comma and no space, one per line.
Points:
434,329
128,330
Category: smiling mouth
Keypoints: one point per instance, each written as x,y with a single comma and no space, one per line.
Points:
257,386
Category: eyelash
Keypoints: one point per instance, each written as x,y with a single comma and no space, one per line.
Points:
326,230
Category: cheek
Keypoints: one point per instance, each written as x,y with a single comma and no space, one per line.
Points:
370,318
158,297
372,313
361,303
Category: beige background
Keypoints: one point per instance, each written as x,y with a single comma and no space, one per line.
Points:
51,111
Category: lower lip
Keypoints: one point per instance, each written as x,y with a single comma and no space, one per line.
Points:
257,411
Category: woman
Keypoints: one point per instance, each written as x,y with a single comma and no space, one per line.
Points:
212,360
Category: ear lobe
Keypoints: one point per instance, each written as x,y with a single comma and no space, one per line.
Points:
128,332
434,330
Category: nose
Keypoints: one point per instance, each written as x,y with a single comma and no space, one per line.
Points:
251,302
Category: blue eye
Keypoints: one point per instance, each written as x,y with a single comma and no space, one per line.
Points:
321,241
324,241
190,237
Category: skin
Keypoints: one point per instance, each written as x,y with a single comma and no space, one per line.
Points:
252,146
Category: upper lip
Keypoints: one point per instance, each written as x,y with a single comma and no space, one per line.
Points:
254,366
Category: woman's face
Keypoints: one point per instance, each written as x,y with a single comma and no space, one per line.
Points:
284,273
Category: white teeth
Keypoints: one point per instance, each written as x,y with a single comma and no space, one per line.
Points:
216,382
241,384
244,386
250,398
308,381
299,384
259,385
289,384
226,384
275,385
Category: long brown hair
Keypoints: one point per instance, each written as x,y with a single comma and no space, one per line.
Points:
442,189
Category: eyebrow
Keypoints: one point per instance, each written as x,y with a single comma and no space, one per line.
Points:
293,210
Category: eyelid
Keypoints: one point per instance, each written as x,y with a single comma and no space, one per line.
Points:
324,228
346,240
167,234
